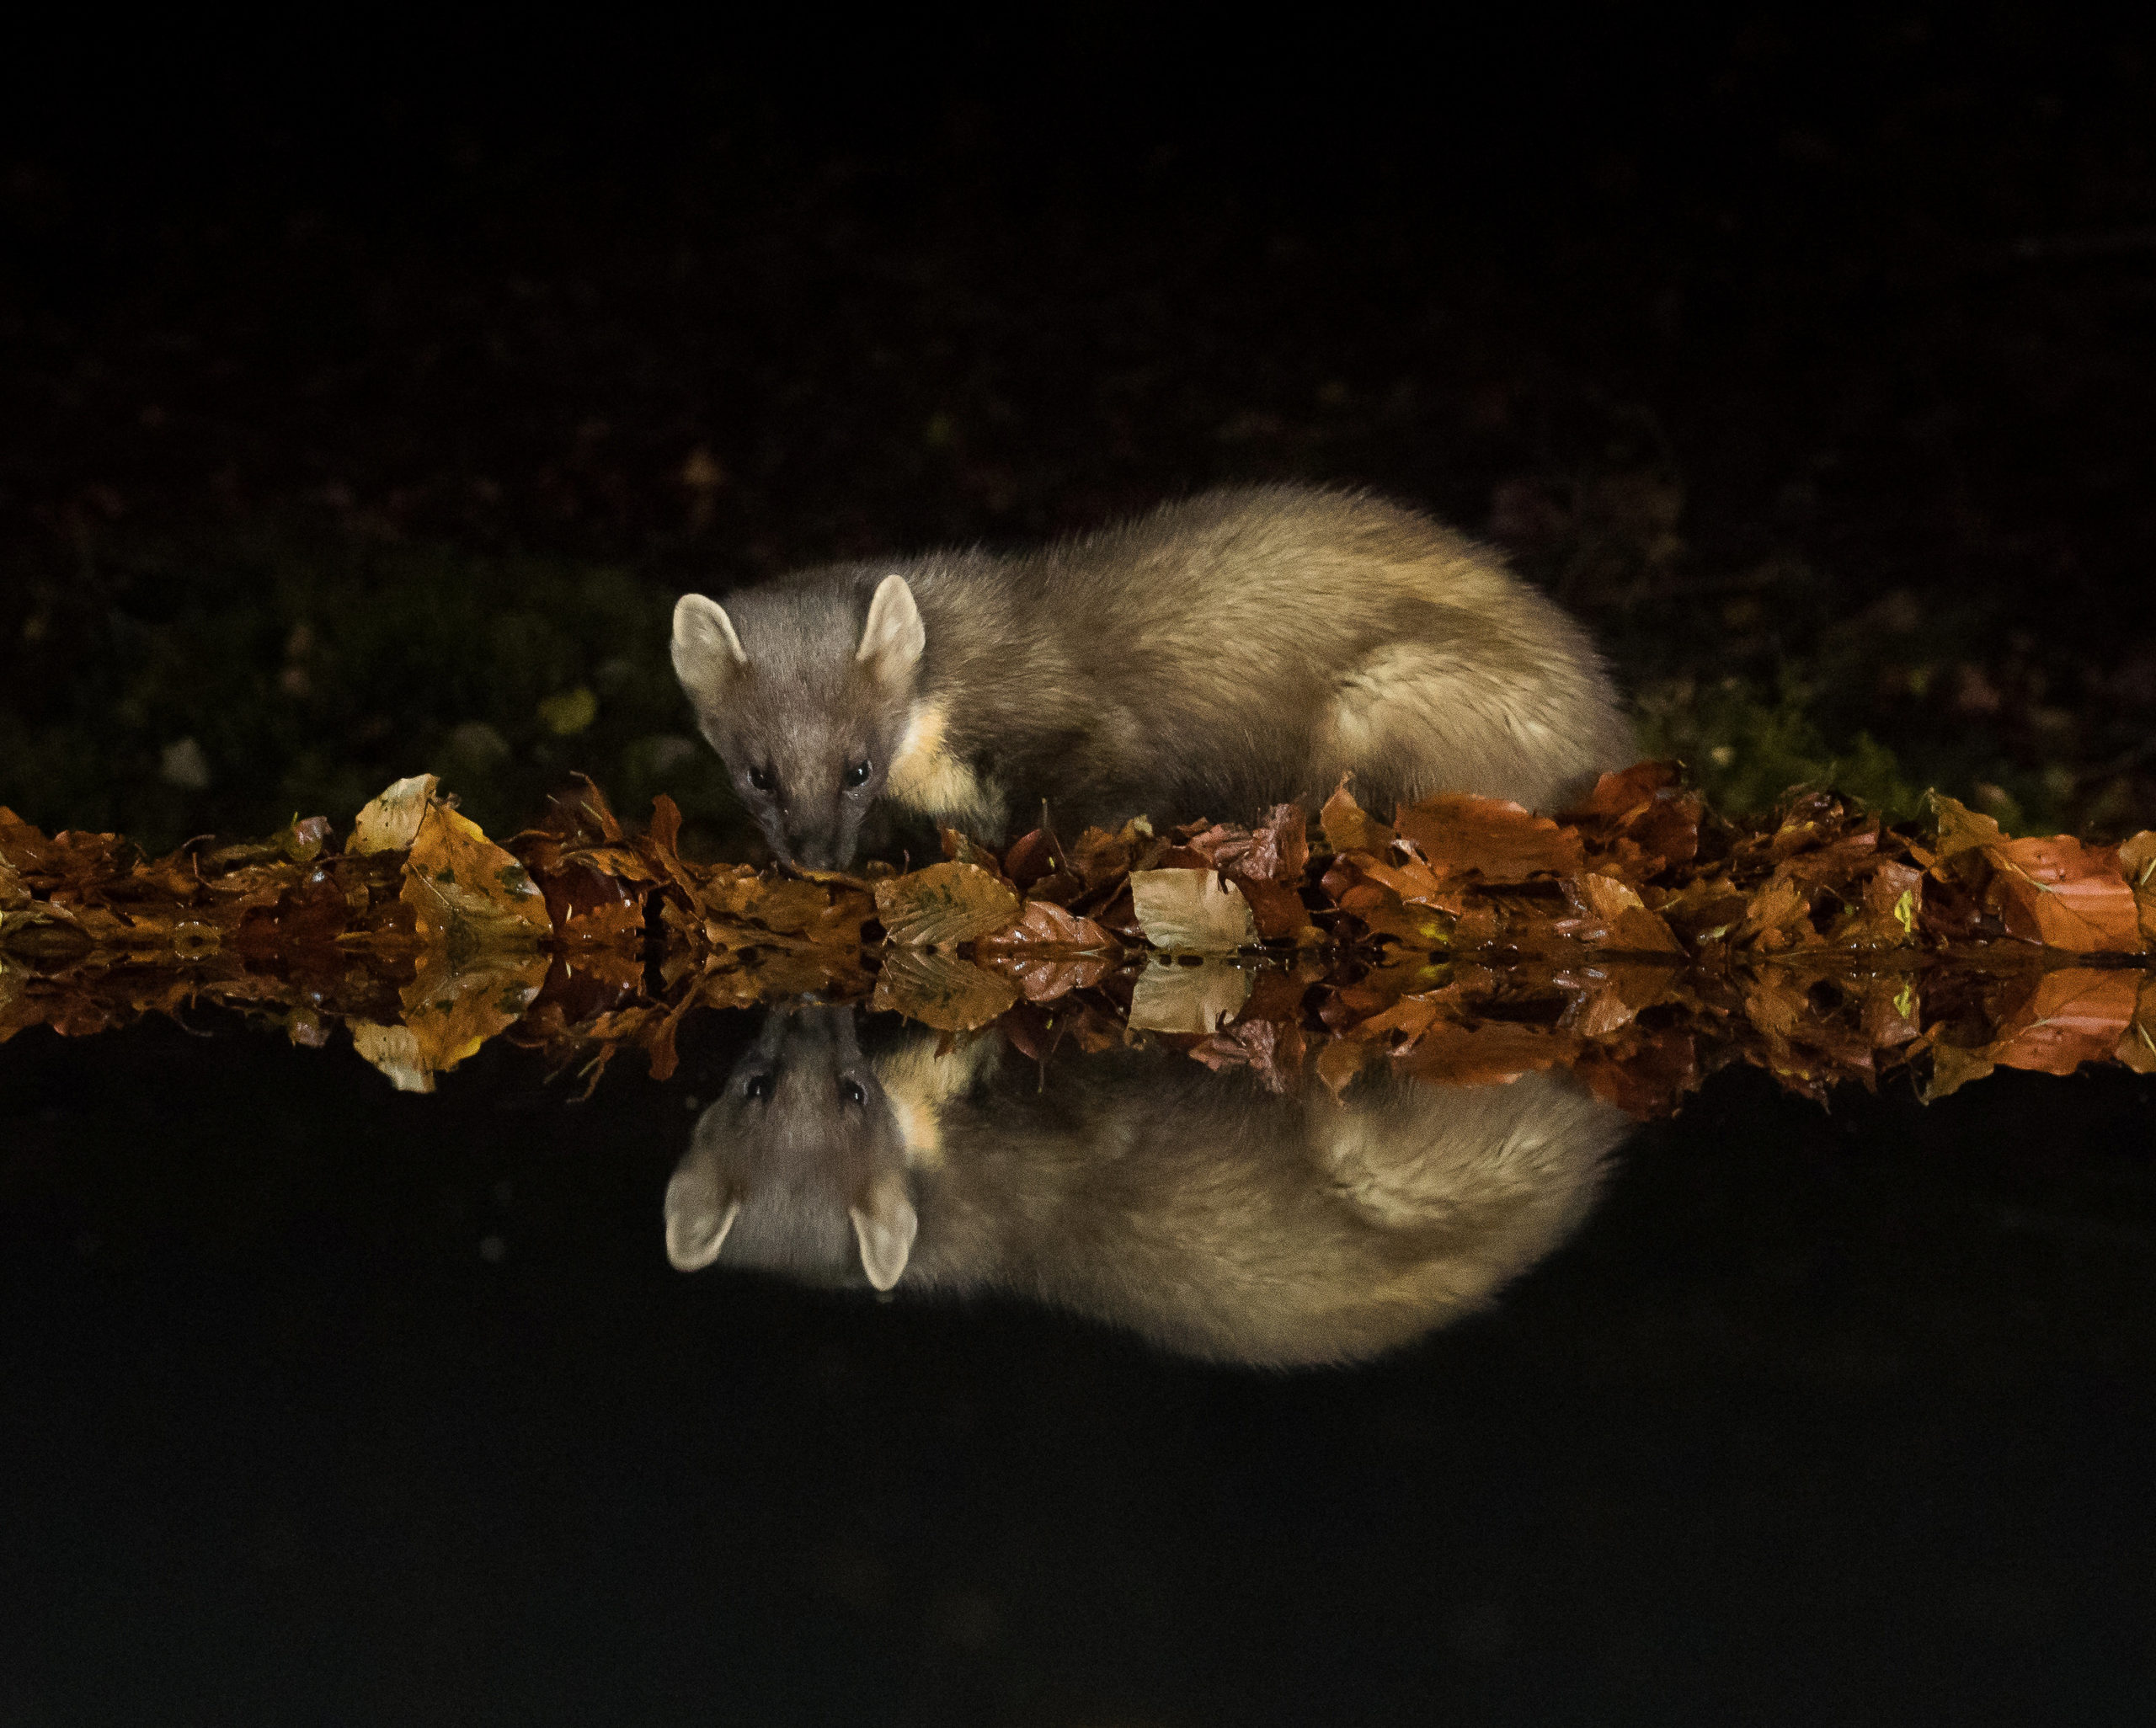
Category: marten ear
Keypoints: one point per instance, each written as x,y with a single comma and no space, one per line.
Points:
891,640
707,652
697,1224
885,1224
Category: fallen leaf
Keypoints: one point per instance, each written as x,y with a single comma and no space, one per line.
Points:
1962,828
945,903
1043,924
1347,828
2138,865
1192,911
453,1011
2065,895
2137,1043
1497,841
465,892
390,820
395,1050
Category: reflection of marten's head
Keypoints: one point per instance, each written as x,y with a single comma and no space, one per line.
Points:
798,1166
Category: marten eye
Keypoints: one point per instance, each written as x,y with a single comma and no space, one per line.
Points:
857,775
850,1090
759,1086
763,779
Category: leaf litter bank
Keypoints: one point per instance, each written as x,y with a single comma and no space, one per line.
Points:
1639,940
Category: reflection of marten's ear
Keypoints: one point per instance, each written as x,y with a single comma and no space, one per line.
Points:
891,641
884,1224
697,1224
707,652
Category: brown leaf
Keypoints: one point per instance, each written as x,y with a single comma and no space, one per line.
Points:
1780,918
1339,1062
2076,1015
1347,828
1493,1053
1646,1079
1280,848
2137,1043
452,1011
941,990
961,849
1891,910
1278,911
1953,1068
1495,839
945,903
1962,828
1272,1050
2065,895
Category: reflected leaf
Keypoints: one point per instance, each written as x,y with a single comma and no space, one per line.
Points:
1170,998
942,990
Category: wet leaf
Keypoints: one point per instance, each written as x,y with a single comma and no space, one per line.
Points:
1172,997
465,893
2065,895
1192,911
452,1011
1495,840
390,820
945,903
1962,828
942,990
2137,1043
2076,1015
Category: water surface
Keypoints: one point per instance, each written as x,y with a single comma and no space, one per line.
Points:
322,1402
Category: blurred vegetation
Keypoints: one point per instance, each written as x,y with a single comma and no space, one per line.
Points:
189,686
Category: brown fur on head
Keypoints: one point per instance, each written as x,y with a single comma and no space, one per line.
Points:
800,1164
806,701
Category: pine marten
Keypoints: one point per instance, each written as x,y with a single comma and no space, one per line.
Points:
1196,1208
1238,650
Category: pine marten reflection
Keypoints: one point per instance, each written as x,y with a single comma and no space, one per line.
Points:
1198,1208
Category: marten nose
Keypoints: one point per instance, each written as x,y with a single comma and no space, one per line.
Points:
814,852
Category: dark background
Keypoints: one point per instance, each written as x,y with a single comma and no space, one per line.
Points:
368,398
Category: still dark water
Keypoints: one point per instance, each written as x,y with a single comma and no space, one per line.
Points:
321,1403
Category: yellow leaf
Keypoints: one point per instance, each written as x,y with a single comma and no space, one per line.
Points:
391,821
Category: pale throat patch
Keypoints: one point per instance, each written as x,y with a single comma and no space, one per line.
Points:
926,776
918,1081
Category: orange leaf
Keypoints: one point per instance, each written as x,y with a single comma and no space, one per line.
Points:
1349,828
2065,895
2076,1015
1499,839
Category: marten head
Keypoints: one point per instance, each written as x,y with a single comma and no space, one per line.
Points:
806,699
800,1164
